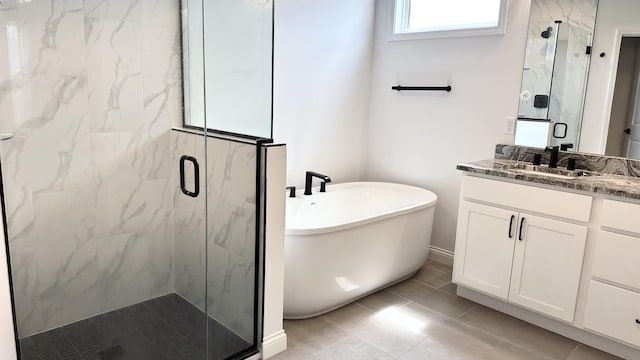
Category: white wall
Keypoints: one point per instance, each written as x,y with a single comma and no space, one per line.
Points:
613,16
417,138
321,85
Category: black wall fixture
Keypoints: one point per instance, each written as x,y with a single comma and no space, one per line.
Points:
421,88
541,101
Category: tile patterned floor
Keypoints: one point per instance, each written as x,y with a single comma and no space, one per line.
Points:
165,328
422,318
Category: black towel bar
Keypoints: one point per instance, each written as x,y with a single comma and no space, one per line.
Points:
421,88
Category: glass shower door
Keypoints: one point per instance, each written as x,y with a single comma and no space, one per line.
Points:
227,80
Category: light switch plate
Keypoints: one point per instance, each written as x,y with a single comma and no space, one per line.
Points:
510,125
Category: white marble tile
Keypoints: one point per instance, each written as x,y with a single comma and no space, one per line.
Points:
18,193
161,41
581,13
54,154
160,230
121,199
162,108
113,9
231,293
10,44
48,8
231,195
124,271
11,104
54,266
11,68
52,37
189,254
114,75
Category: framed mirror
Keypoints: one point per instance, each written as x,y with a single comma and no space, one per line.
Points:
556,69
605,116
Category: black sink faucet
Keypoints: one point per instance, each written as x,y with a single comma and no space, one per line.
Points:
553,158
309,178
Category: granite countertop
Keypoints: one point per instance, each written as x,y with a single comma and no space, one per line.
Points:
601,183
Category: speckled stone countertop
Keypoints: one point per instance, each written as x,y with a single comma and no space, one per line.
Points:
610,176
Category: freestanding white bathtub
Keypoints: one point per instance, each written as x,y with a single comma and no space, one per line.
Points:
352,240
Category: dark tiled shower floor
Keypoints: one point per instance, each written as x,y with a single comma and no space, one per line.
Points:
165,328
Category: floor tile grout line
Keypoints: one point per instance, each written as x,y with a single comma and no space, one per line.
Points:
466,312
427,268
504,340
574,350
495,336
431,286
448,293
432,309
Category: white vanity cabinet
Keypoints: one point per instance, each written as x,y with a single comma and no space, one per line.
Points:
613,299
522,244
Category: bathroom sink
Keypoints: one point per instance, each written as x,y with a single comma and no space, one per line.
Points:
544,170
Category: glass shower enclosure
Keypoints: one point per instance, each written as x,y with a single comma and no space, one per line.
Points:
554,80
131,233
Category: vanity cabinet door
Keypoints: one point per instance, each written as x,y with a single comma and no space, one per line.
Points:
547,265
485,239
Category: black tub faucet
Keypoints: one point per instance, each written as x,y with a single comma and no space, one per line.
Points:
553,158
309,178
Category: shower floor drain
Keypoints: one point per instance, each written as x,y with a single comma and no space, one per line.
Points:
112,353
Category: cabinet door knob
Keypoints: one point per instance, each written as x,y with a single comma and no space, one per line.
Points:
637,321
511,226
521,229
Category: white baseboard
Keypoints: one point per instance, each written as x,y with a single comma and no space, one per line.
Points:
274,344
440,255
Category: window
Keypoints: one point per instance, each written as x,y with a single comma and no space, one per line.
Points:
415,19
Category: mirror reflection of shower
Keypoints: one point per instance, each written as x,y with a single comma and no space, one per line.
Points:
553,84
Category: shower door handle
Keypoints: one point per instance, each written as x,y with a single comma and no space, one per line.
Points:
196,176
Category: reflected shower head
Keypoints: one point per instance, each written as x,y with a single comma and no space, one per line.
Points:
547,33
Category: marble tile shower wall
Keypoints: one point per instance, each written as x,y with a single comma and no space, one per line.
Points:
90,89
230,228
538,69
580,13
539,64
